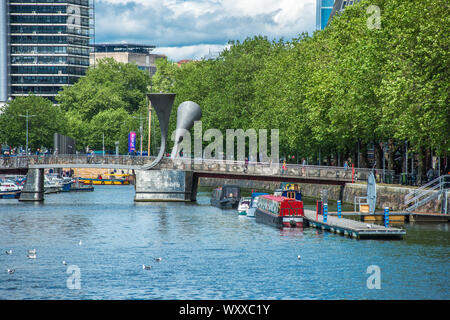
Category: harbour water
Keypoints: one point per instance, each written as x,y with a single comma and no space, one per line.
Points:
207,253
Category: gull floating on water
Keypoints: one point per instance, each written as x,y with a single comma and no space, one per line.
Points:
10,271
299,257
146,267
31,256
80,243
158,259
64,263
32,251
8,251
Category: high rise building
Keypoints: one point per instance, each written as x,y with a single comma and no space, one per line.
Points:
339,6
323,12
45,45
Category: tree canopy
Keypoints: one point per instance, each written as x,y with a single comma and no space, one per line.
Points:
45,120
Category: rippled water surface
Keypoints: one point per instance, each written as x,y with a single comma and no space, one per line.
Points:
207,253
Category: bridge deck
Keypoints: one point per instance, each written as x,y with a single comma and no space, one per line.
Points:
352,228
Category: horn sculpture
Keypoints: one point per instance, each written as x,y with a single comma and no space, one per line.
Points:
188,112
162,102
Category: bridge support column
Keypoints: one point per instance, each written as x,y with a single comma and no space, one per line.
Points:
33,189
165,185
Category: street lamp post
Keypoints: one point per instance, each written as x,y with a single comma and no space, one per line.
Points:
27,116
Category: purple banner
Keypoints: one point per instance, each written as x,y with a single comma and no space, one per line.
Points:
132,142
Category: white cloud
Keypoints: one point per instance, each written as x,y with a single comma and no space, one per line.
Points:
193,25
195,52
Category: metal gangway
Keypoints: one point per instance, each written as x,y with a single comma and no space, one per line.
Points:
430,191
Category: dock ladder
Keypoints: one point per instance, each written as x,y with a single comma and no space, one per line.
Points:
433,189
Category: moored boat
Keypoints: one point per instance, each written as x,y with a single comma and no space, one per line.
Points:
112,179
244,205
254,203
77,186
226,197
10,194
279,211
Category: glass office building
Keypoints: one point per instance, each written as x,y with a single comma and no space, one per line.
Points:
47,45
323,12
339,6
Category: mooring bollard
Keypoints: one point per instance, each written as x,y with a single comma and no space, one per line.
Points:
386,217
339,209
325,212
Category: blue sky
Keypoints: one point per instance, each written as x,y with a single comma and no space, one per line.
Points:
191,29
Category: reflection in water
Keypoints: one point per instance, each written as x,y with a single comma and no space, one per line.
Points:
208,253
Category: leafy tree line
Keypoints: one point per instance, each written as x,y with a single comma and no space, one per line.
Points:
341,89
345,87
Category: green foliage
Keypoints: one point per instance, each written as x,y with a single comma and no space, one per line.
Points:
106,102
325,93
108,85
45,120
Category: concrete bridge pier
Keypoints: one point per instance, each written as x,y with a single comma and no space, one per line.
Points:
165,185
33,189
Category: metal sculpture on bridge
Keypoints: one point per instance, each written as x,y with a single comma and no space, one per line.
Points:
188,112
162,102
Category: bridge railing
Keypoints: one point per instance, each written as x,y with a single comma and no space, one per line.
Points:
196,164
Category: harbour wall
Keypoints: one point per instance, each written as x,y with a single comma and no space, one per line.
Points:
387,196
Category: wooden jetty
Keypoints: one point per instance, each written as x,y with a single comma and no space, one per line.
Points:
396,217
352,228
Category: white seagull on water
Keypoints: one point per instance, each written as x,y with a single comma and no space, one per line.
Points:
10,271
8,251
146,267
64,262
299,257
32,251
158,259
31,256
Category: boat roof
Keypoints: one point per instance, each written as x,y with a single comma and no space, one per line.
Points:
277,198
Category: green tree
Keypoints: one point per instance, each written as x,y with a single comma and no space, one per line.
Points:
108,85
47,120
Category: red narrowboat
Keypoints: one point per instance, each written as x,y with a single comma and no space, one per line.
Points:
280,211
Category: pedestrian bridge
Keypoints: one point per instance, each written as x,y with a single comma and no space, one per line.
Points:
330,175
177,179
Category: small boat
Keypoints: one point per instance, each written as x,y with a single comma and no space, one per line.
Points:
113,179
279,211
9,185
254,203
76,186
226,197
10,194
244,205
51,185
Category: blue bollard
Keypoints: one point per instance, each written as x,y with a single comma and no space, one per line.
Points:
339,209
325,212
386,217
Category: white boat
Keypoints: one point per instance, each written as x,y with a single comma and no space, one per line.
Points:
254,203
51,185
8,185
244,205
